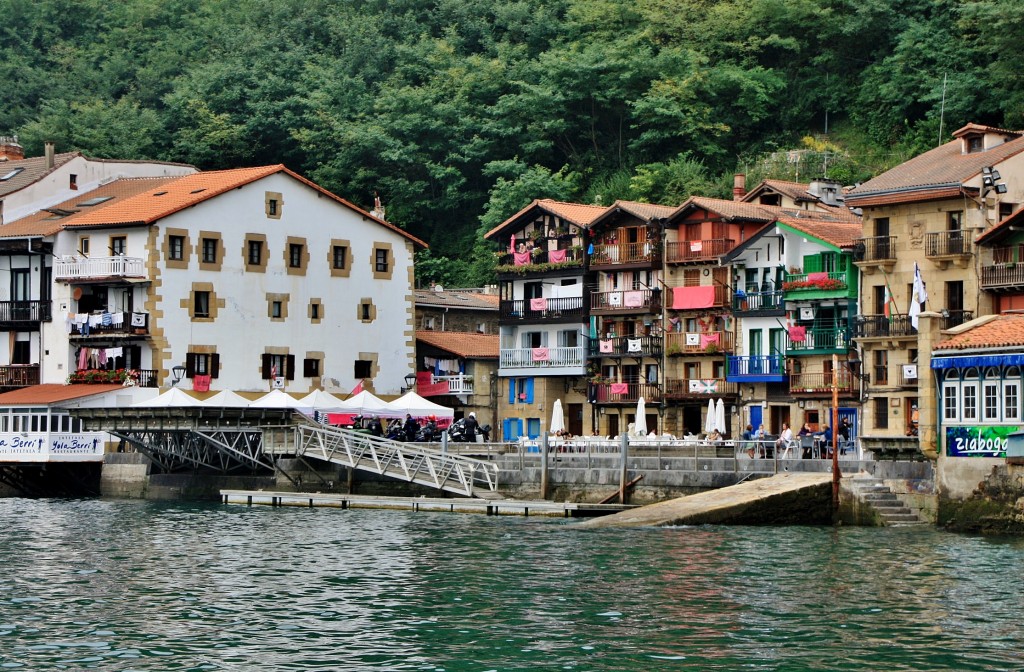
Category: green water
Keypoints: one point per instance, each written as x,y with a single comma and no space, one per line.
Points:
118,585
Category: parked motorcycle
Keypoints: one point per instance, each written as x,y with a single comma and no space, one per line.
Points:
457,432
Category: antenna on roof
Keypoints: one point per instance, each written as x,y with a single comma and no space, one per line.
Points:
942,108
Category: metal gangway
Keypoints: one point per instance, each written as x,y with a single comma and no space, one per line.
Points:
411,462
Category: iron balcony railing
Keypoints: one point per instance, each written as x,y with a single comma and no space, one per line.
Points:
610,254
698,343
947,244
542,358
112,324
626,346
818,338
877,248
688,388
820,382
25,311
835,281
879,326
19,375
756,302
534,309
76,268
761,367
697,250
954,318
610,393
625,300
139,377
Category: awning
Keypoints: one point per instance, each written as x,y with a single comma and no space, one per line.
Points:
967,361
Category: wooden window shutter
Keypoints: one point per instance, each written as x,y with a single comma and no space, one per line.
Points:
290,367
190,364
214,365
266,366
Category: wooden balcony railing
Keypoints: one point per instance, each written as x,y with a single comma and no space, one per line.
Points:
21,312
947,244
880,326
758,302
610,393
820,382
610,254
626,346
698,343
142,377
563,258
796,283
543,309
112,324
697,250
699,388
722,296
76,268
878,248
767,368
626,300
19,375
819,338
542,358
1002,276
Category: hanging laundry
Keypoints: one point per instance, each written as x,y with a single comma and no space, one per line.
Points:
633,345
633,299
138,319
538,304
619,388
106,320
797,334
709,339
117,319
692,339
557,256
541,355
606,346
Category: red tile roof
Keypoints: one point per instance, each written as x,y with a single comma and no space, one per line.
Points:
34,169
729,209
945,167
838,233
453,299
46,223
463,344
51,393
993,331
575,213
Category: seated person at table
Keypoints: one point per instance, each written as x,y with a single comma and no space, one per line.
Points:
784,438
826,439
805,430
748,437
715,435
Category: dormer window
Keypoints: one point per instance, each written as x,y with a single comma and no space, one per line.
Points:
974,143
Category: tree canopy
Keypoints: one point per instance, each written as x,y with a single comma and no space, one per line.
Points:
459,112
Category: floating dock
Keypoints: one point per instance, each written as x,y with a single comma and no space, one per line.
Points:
490,507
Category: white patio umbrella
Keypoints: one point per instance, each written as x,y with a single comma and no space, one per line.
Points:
720,416
557,419
640,426
709,421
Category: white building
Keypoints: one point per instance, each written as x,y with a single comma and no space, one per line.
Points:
242,279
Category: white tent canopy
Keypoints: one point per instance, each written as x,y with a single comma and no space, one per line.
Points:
227,399
362,404
276,399
417,406
319,400
174,397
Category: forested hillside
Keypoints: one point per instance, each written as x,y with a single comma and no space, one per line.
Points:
457,112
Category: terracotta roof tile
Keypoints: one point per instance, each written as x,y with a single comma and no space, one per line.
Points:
840,234
50,393
33,170
575,213
943,167
998,331
45,223
453,299
463,344
729,209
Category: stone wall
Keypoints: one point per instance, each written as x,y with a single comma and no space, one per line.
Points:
996,506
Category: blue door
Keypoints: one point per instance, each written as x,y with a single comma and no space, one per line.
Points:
755,416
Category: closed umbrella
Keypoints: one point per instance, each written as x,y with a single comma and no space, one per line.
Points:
640,427
557,421
709,421
720,416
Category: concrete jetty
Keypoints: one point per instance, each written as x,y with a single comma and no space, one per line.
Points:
791,498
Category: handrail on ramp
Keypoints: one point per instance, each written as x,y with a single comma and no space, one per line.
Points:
409,462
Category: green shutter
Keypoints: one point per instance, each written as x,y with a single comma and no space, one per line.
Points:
812,263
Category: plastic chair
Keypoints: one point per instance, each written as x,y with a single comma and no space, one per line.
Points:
808,445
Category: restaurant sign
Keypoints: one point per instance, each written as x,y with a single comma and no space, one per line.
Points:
978,441
16,447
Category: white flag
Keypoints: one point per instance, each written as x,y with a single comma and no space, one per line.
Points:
918,295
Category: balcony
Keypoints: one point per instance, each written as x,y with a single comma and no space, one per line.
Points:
619,254
943,247
821,383
1007,271
758,304
904,381
542,361
614,393
880,326
698,343
525,262
460,384
757,369
539,310
73,269
23,314
626,301
18,375
106,325
691,251
703,388
954,318
879,251
626,346
821,339
142,377
700,297
803,286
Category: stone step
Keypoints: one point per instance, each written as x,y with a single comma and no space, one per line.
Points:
900,518
879,496
893,510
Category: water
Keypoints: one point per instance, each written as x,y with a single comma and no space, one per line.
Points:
126,586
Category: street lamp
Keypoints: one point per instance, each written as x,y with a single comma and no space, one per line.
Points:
177,372
410,381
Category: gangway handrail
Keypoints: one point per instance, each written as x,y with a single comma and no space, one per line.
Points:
410,462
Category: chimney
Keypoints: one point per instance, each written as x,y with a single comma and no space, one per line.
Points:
10,150
49,153
739,186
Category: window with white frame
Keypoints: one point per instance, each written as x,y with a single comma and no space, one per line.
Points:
950,406
990,396
969,394
1011,395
